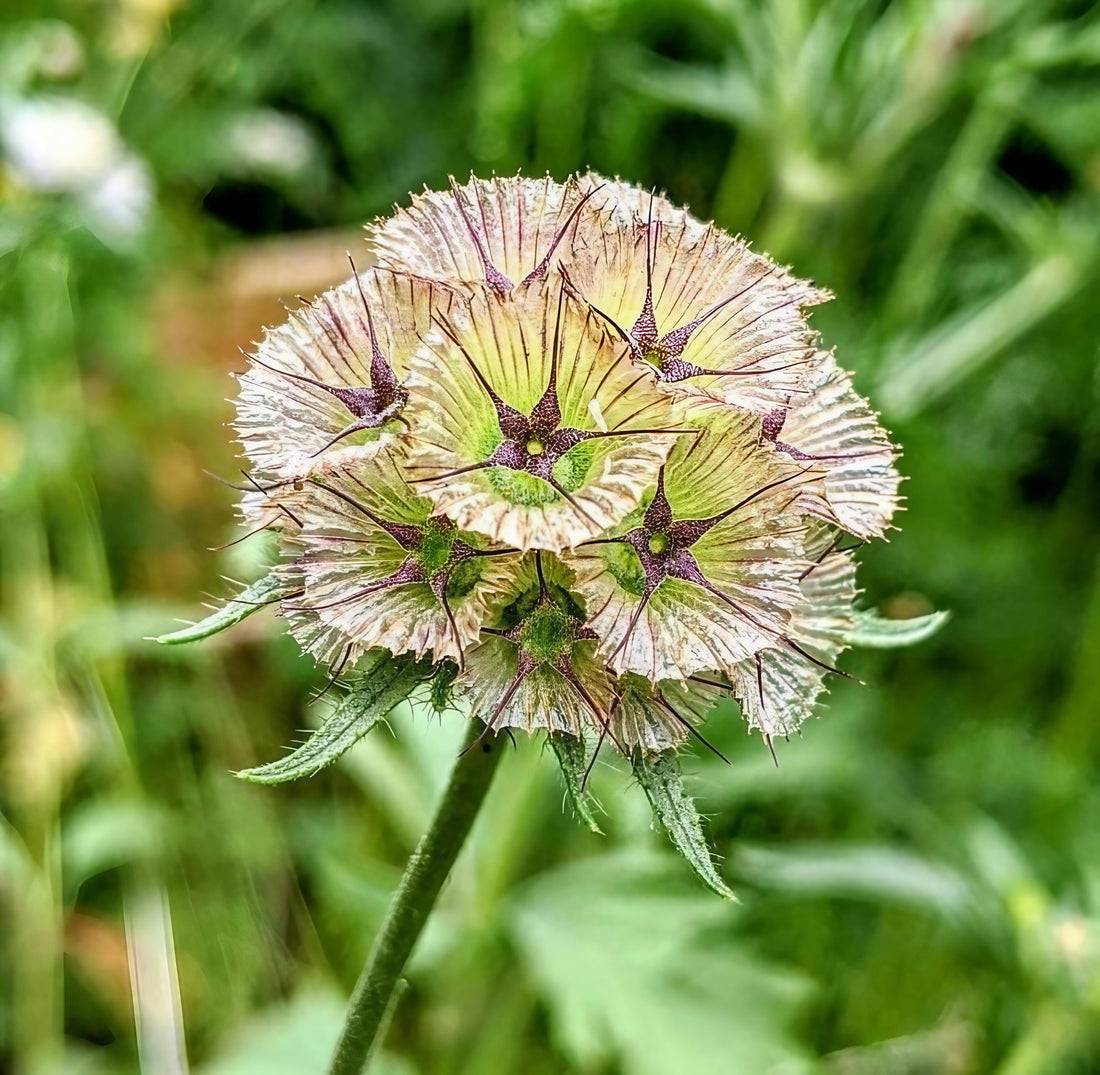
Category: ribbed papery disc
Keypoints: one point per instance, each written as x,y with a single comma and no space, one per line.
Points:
625,204
509,341
343,552
278,503
779,688
515,220
756,330
834,424
544,698
284,422
754,557
654,717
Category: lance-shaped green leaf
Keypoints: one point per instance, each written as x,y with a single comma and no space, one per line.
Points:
268,590
663,783
874,630
390,681
569,750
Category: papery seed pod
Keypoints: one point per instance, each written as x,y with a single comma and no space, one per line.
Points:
379,569
779,686
579,449
576,462
708,574
655,717
696,307
530,424
336,368
831,426
501,232
538,669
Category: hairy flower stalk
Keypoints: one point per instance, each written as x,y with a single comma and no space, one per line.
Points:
573,461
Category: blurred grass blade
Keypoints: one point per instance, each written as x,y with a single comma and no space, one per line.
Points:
878,872
954,351
154,979
269,589
569,750
878,632
663,783
391,681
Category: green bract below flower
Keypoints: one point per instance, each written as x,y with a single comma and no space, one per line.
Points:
570,460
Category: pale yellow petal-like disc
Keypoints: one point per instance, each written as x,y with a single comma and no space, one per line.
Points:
753,331
507,343
754,557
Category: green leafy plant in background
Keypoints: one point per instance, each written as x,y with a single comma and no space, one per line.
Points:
577,461
971,758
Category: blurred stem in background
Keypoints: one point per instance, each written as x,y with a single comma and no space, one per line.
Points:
74,703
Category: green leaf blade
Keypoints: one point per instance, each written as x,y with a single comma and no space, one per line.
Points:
266,591
673,808
647,973
389,682
878,632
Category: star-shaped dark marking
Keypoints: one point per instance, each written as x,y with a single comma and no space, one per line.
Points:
371,406
664,351
534,443
663,546
434,555
493,276
545,637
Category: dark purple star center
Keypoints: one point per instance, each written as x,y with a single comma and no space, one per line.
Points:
663,546
371,406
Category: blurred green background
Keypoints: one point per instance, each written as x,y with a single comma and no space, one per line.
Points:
920,877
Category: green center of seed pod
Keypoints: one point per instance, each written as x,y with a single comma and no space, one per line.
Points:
658,543
547,635
435,548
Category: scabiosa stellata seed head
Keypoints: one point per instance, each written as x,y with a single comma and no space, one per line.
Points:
575,460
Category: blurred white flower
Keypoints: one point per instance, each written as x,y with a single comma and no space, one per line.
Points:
268,142
58,145
60,51
117,207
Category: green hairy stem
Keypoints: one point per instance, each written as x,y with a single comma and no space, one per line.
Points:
412,903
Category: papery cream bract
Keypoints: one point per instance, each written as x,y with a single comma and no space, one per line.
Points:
581,452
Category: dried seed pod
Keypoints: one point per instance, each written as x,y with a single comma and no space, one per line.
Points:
580,452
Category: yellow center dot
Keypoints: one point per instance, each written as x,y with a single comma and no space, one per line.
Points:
535,447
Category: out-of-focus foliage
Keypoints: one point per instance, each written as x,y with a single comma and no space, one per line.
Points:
919,878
